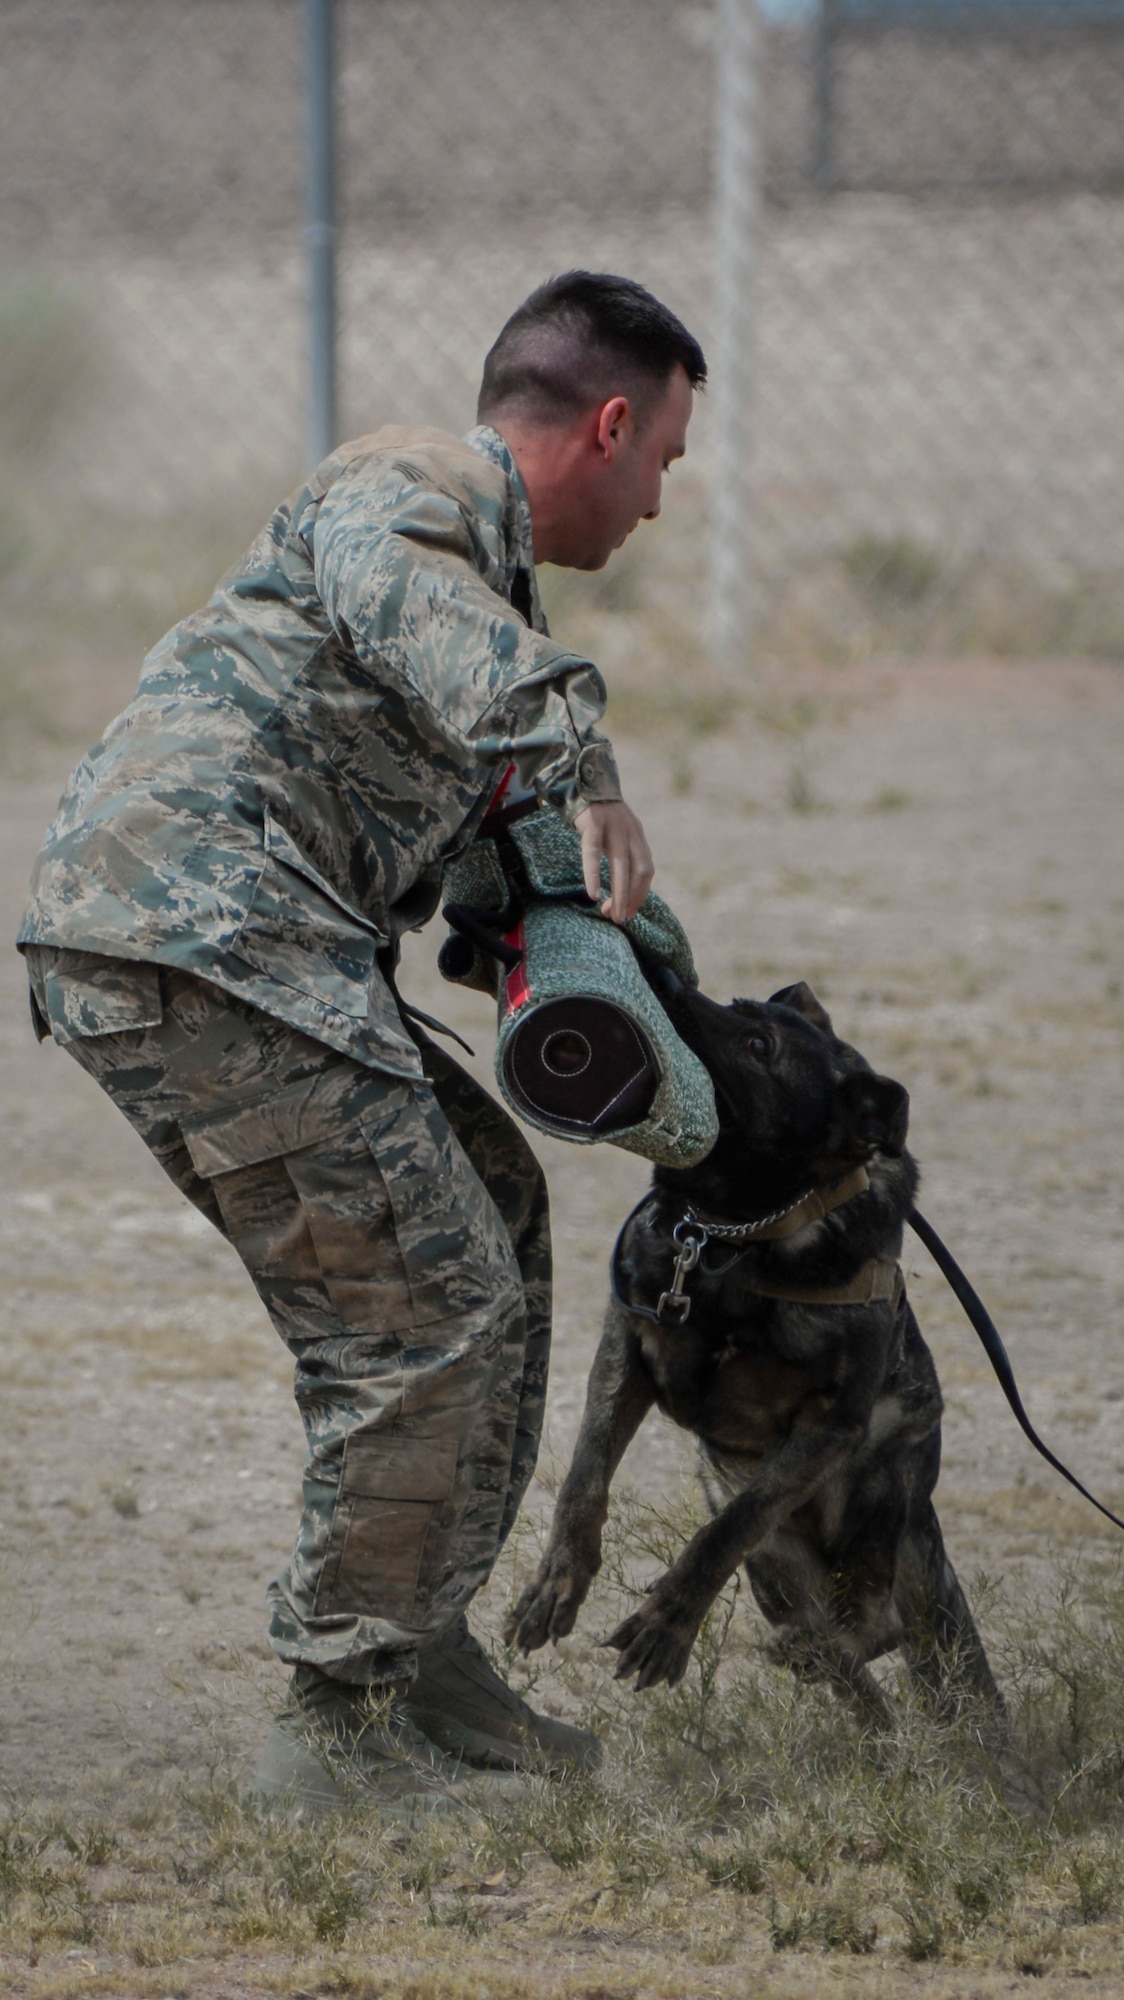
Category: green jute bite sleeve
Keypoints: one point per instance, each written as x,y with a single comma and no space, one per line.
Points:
584,1048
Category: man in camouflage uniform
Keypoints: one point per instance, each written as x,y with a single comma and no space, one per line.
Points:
213,932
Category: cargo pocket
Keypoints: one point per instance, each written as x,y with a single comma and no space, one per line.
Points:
391,1491
284,1122
454,1245
246,1155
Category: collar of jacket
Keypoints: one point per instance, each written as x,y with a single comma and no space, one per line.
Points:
518,534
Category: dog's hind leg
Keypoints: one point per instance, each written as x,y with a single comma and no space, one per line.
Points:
940,1643
793,1587
820,1656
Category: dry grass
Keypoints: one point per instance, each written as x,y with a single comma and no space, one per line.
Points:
873,598
741,1819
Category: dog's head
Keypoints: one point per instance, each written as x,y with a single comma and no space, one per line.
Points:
796,1105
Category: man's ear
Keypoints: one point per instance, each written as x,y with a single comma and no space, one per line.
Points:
612,424
874,1114
803,1001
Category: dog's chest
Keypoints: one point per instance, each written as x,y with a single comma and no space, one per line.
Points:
732,1391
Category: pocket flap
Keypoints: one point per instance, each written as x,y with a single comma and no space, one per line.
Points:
281,845
88,994
263,1130
384,1467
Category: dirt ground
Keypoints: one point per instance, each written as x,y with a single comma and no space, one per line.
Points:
939,850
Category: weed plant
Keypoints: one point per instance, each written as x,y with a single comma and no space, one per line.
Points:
877,596
739,1814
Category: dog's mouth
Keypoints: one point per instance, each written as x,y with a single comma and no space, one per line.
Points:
667,986
727,1116
674,997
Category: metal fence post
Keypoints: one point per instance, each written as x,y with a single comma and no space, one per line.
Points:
320,226
735,218
824,141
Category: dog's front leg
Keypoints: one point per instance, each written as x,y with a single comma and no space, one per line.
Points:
655,1643
618,1398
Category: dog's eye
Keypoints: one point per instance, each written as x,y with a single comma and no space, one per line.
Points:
756,1045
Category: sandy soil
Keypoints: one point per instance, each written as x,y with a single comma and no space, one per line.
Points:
939,851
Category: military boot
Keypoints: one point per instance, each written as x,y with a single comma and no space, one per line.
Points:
336,1744
465,1707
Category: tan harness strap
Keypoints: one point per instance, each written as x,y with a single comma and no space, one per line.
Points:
880,1279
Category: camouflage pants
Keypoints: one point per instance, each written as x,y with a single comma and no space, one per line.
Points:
398,1236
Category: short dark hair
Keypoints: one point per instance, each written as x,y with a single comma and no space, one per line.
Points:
580,339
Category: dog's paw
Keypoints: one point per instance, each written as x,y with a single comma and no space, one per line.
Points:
653,1645
548,1607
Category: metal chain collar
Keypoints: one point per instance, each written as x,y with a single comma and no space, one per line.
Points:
737,1232
692,1234
691,1238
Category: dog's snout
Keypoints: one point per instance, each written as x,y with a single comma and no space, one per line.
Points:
666,983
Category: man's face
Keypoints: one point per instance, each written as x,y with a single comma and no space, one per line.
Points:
623,479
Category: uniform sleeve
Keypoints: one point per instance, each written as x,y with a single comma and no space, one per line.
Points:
405,574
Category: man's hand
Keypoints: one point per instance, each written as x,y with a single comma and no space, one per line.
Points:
614,831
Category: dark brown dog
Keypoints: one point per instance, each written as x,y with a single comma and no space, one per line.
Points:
758,1302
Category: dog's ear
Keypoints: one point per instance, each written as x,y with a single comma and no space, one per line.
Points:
803,1001
874,1111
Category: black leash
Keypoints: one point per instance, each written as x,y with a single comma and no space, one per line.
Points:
994,1349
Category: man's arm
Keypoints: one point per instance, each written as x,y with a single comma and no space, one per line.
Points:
403,576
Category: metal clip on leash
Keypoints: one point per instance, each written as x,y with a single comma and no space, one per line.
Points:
675,1305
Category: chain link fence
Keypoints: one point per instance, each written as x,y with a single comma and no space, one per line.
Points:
937,297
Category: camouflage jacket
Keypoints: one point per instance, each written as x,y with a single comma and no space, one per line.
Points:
305,755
